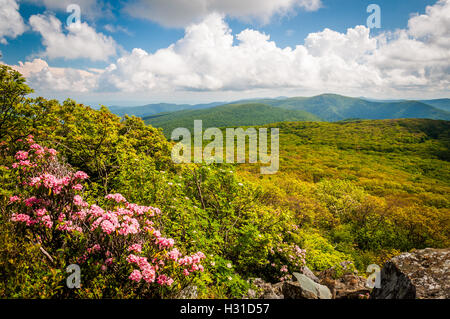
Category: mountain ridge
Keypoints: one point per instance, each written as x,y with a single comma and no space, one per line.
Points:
329,107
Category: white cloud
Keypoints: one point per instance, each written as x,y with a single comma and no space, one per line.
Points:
434,26
116,28
179,13
11,22
206,59
80,41
49,79
211,60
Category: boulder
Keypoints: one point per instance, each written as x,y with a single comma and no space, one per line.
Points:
305,288
344,282
265,290
308,273
349,286
420,274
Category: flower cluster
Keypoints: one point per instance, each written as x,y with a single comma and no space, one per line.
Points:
287,258
192,263
121,234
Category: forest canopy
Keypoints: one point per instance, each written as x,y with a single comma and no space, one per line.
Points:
358,191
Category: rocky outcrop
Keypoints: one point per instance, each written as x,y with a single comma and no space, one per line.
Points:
306,285
308,273
345,282
349,286
305,288
421,274
265,290
190,292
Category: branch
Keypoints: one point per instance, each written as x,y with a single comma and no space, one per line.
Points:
46,254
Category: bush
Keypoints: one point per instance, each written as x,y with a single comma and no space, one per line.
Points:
118,247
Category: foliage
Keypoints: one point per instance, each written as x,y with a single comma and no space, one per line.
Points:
369,188
110,242
359,191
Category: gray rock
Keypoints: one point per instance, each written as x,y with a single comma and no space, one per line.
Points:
348,286
190,292
251,294
305,288
265,290
308,273
421,274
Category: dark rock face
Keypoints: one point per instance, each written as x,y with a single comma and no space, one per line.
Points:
421,274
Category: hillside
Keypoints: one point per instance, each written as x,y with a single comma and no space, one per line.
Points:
443,104
379,185
228,115
356,190
328,107
332,107
151,109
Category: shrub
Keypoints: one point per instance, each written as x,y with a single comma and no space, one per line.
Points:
118,244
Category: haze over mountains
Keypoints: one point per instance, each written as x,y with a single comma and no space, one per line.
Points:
325,107
248,114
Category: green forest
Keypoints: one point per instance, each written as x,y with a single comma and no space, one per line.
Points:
84,186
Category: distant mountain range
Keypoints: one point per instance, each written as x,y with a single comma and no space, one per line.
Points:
230,115
332,108
151,109
325,107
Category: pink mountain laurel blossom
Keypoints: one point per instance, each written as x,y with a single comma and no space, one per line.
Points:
119,235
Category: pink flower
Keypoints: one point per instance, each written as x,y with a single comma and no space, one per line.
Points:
109,261
78,200
41,212
133,259
107,227
174,254
13,199
164,242
77,187
35,146
135,247
20,218
25,163
164,280
81,175
47,221
136,275
21,155
30,201
117,197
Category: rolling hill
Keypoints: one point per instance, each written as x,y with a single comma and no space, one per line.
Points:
332,108
328,107
228,115
443,104
151,109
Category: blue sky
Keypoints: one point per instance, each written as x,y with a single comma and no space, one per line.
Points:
113,30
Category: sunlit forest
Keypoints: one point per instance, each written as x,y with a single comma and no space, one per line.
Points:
84,186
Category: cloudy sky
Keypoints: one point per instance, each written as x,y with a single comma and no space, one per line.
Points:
145,51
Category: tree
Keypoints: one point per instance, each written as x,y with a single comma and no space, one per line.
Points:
13,92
